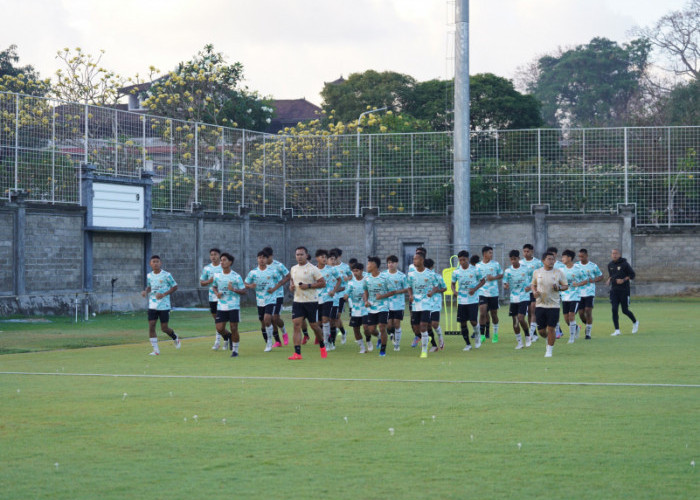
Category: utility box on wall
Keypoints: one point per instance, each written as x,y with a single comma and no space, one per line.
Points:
117,205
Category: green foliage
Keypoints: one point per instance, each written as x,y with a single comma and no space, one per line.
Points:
20,79
206,89
683,104
592,84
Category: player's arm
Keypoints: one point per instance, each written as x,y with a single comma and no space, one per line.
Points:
453,285
280,283
481,283
239,291
365,298
146,291
203,282
336,288
168,292
533,285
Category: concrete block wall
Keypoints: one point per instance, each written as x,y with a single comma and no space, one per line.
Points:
117,255
6,253
667,263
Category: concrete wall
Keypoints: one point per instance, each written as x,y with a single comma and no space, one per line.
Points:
53,260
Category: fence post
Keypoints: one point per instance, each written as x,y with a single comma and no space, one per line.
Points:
223,160
369,149
413,189
116,143
53,154
498,186
626,171
284,173
143,143
16,141
172,166
264,175
243,171
539,166
328,165
196,162
669,211
583,167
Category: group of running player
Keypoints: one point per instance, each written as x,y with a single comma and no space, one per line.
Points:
377,299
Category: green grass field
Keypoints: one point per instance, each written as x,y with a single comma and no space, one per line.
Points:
607,418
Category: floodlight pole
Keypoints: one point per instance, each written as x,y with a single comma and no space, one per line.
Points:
462,209
357,181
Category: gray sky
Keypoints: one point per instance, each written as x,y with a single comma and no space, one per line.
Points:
290,47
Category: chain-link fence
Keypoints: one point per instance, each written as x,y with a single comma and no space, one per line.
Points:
43,142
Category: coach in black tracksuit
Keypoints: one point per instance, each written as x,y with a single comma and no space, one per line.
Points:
620,273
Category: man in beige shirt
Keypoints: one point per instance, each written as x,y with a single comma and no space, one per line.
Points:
305,281
547,282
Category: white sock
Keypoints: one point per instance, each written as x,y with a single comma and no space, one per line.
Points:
549,348
589,329
218,338
572,328
270,330
495,329
477,329
533,329
438,330
519,338
424,340
154,344
326,332
234,346
397,336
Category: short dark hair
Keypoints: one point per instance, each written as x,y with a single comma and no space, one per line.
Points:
583,250
353,261
228,256
154,257
376,260
528,246
333,252
463,253
552,250
321,251
301,248
474,260
422,250
569,253
429,263
263,253
357,265
485,249
392,258
419,254
546,254
215,250
337,251
268,251
514,253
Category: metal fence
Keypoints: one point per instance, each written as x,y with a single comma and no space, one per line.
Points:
43,142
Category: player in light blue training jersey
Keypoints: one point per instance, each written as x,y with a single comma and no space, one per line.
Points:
488,294
571,297
354,296
262,279
159,286
422,284
377,295
283,278
532,263
229,286
397,303
436,308
466,281
517,279
326,295
585,308
338,299
206,279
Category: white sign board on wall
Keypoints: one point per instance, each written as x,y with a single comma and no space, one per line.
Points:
117,205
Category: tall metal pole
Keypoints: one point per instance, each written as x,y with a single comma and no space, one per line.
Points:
462,205
357,179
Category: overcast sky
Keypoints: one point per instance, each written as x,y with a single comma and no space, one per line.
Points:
290,47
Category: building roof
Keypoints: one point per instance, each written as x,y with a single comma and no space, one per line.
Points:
289,112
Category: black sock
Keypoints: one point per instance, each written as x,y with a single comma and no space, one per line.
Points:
465,335
297,349
333,335
277,337
432,338
342,330
391,330
382,348
306,333
264,333
172,335
486,330
321,344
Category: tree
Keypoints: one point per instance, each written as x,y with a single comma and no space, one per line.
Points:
495,104
677,36
683,104
432,101
83,79
351,97
593,84
206,89
20,79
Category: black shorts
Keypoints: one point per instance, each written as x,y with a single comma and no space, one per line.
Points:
435,316
278,306
358,321
324,310
232,316
266,309
586,302
491,302
307,310
546,316
212,307
335,313
396,314
467,312
518,308
569,306
380,318
418,317
341,306
163,316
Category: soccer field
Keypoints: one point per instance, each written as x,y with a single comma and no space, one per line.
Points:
614,417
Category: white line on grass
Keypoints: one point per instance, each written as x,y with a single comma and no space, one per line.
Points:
334,379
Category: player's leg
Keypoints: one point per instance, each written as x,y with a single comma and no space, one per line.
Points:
234,319
625,303
493,312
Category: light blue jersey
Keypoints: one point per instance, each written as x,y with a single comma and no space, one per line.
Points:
532,265
518,279
229,301
490,288
280,272
159,283
208,272
397,281
437,298
264,279
344,271
354,290
420,284
466,279
377,285
573,274
559,264
331,275
592,272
